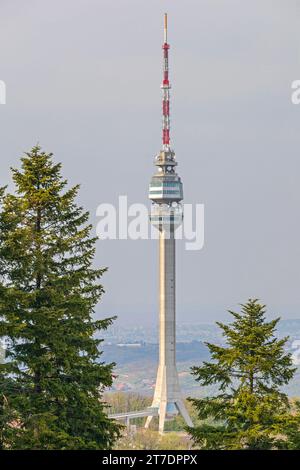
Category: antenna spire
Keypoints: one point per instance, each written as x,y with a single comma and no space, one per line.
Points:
166,27
166,89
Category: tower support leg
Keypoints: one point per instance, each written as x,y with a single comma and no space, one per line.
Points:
148,421
184,413
162,416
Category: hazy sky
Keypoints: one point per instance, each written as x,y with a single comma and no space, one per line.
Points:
83,79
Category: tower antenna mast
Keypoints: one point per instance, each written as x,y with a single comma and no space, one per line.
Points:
166,89
166,194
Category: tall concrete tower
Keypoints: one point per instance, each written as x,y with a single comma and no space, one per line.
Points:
166,194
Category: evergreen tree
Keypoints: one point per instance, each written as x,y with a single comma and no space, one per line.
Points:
250,412
53,379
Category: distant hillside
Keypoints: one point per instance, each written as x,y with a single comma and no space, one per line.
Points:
136,355
185,332
130,353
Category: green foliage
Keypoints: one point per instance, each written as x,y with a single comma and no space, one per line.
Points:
147,439
292,428
122,402
250,412
52,380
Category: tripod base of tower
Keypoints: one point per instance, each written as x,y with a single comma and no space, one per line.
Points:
167,399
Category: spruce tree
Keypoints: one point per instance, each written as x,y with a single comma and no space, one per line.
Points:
250,411
53,377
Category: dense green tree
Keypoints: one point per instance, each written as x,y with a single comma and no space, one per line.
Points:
293,427
53,378
250,411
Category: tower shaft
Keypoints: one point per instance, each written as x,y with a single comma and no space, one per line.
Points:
167,280
167,387
167,396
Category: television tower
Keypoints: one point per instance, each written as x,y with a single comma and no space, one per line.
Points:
166,194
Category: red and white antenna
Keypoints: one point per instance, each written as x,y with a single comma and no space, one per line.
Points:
166,89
